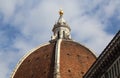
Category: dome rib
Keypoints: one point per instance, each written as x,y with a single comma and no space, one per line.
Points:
57,59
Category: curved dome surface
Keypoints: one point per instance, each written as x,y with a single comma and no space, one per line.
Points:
75,60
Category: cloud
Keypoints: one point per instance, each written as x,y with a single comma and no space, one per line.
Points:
4,69
7,62
90,31
28,23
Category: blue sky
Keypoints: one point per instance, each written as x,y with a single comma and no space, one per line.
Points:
26,24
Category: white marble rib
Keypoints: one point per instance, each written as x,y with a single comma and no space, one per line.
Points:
57,59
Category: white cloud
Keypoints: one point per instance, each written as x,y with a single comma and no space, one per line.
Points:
7,58
4,70
111,7
7,7
90,31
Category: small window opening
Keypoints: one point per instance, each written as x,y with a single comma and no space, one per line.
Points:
58,34
44,72
37,58
68,54
69,70
63,34
82,72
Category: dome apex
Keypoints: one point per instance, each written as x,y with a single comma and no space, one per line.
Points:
61,12
61,20
61,29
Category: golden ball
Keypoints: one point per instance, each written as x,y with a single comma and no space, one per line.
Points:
61,12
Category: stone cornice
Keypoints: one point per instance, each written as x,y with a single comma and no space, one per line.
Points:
106,58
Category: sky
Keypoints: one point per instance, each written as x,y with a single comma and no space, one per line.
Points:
26,24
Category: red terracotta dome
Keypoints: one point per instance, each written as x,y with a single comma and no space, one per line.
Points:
60,58
75,60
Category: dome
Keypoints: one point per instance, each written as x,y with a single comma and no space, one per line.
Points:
75,60
60,58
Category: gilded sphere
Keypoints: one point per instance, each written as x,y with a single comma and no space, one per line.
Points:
61,12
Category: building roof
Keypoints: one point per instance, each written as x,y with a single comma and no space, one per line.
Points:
106,58
75,60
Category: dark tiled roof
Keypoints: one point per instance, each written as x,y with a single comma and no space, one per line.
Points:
106,58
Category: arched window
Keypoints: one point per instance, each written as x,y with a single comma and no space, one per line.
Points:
63,34
58,34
